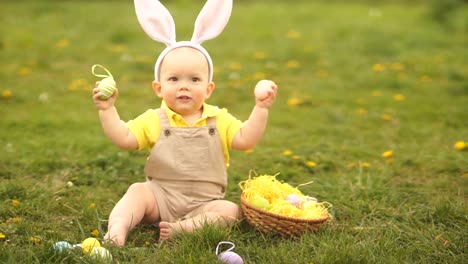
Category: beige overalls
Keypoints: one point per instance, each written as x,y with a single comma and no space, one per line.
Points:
186,169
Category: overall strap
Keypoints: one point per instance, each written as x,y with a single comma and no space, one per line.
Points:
163,117
211,121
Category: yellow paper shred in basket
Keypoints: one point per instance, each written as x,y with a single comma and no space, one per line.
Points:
268,187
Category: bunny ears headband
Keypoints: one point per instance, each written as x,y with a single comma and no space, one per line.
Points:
159,25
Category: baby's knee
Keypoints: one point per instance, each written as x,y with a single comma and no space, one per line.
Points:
230,210
136,188
236,211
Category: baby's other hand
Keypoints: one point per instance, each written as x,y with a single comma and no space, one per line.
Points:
104,104
265,93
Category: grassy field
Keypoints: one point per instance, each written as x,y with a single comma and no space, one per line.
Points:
372,107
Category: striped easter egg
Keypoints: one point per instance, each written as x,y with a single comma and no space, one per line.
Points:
106,88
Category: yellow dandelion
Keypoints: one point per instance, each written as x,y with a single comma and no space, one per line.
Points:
293,34
296,157
293,64
62,43
2,236
79,84
460,145
16,219
23,71
365,165
259,76
15,203
397,66
387,154
287,152
378,67
387,117
311,164
92,205
322,73
94,233
35,240
7,93
376,93
235,66
294,101
362,111
399,97
259,55
425,78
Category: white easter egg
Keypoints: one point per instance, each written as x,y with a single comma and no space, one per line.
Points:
229,257
261,89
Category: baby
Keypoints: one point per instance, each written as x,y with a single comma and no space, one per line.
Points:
186,171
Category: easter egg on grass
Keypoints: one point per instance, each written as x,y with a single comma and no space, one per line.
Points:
259,202
229,257
88,244
106,88
100,253
62,246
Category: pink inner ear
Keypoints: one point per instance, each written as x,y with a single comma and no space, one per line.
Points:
156,21
212,20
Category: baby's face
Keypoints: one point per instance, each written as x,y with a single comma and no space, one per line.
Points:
184,84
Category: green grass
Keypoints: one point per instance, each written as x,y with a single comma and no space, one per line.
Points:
354,62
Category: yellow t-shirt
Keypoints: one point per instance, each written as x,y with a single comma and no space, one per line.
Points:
147,127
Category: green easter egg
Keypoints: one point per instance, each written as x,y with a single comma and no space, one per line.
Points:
260,202
100,253
106,88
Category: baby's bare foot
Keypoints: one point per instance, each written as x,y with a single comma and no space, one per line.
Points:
166,231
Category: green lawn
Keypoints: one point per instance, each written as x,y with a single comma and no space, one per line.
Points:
355,81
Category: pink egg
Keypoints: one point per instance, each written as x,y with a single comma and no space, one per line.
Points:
294,199
229,257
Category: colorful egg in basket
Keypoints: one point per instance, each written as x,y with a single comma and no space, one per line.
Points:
284,216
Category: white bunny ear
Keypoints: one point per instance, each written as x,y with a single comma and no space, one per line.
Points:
156,21
211,20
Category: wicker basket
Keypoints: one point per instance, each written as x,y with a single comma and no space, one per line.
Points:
285,226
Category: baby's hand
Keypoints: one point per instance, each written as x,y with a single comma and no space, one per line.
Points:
265,93
103,104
